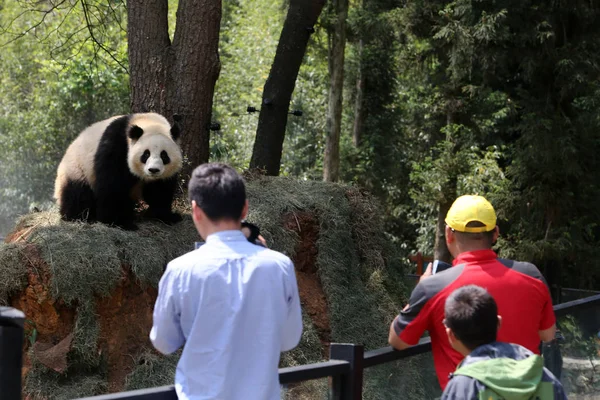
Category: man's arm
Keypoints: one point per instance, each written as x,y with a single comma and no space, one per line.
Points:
292,330
547,335
547,329
408,327
166,335
394,339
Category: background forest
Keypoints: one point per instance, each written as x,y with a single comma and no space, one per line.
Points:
439,98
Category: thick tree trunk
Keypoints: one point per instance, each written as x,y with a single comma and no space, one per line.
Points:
178,78
337,45
196,69
150,55
297,28
359,110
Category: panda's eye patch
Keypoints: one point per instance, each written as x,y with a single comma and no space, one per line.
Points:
145,156
165,157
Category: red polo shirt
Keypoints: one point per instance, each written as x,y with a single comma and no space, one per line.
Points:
519,289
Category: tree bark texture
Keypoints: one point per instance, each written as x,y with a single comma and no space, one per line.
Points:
359,109
441,251
177,78
149,49
277,93
331,162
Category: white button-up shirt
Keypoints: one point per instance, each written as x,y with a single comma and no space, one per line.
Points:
235,306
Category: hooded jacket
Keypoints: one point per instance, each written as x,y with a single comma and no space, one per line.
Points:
503,371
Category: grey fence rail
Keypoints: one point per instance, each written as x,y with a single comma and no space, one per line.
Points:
345,367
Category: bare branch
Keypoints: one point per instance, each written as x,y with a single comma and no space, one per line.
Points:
93,37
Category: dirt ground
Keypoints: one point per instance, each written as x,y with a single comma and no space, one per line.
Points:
125,322
312,296
125,317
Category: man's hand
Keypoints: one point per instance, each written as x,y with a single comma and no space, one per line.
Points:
261,239
427,272
247,229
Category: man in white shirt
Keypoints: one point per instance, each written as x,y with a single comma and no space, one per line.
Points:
233,305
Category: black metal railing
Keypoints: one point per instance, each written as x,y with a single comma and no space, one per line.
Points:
345,367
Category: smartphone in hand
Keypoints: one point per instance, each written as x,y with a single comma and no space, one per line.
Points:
439,266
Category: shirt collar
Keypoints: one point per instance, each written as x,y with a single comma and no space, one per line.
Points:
477,255
226,236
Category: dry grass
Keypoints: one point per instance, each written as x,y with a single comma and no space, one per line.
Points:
360,272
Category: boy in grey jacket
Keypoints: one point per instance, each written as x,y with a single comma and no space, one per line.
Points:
491,370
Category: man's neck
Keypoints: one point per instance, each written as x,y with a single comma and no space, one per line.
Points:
468,248
220,226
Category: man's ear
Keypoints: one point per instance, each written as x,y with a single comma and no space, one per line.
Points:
449,234
451,337
496,234
197,213
499,322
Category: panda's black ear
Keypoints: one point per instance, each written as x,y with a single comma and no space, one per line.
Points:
176,128
135,132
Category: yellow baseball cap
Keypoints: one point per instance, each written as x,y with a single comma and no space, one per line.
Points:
467,209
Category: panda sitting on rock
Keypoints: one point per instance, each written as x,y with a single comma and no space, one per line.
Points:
113,164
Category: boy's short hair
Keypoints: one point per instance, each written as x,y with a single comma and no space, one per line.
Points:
472,315
218,190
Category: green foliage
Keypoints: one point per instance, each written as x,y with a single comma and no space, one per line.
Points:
576,343
56,81
247,49
499,99
250,32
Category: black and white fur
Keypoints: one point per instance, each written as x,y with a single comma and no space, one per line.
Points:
113,164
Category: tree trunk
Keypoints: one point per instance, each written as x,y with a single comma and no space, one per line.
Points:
196,69
149,49
176,78
359,110
297,28
331,163
441,251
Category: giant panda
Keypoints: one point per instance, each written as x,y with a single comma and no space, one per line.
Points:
113,164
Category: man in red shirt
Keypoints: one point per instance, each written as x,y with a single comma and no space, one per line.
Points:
519,289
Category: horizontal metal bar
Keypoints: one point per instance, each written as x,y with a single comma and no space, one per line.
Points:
313,371
388,354
157,393
334,367
560,310
286,375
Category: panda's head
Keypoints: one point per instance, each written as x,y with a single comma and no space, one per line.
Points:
153,149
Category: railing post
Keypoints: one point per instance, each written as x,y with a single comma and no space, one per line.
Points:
348,387
11,352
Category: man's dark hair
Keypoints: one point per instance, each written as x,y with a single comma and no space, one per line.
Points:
486,238
218,190
472,315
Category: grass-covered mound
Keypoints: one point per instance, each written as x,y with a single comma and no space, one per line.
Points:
88,290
